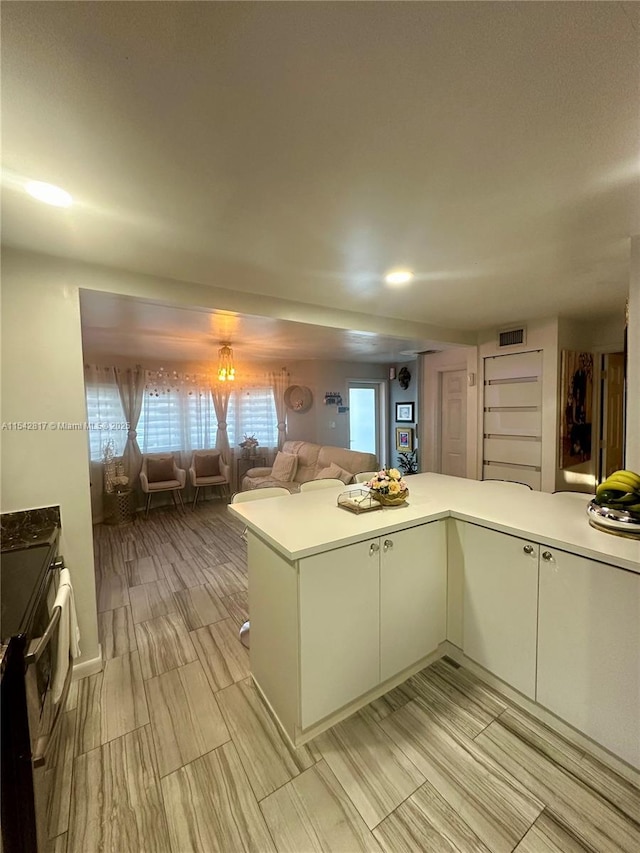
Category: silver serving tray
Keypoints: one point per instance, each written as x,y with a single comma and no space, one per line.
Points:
616,521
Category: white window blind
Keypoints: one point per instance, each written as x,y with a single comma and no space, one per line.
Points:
105,416
177,421
252,411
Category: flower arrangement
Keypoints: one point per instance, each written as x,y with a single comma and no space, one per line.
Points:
250,442
388,482
388,487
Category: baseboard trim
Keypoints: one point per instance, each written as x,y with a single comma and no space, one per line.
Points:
88,667
567,731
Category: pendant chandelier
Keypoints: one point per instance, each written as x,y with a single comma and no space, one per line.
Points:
226,368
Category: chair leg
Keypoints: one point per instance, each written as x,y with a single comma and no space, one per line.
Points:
173,497
195,497
146,515
179,493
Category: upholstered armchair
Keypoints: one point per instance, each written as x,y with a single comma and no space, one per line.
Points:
159,473
208,468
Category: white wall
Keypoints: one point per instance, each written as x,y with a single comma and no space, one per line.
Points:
42,381
541,335
632,455
321,376
411,395
432,366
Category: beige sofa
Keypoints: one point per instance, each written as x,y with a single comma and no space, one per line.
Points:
312,458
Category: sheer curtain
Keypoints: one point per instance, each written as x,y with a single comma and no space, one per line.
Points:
105,414
107,422
131,389
279,384
220,395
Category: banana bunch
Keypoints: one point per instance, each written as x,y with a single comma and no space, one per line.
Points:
621,491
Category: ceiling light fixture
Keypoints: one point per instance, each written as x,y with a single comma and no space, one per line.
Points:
226,367
49,194
398,277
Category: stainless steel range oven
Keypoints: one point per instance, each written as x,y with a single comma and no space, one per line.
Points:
30,722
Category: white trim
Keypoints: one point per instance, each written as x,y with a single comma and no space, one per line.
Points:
88,667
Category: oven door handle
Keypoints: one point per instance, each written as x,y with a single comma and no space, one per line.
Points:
39,644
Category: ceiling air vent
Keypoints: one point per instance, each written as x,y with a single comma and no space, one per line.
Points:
512,337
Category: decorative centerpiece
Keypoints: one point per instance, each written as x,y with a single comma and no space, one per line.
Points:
121,482
249,445
388,487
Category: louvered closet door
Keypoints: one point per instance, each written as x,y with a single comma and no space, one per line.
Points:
513,418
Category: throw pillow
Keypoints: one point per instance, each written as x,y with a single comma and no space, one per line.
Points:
284,467
334,472
207,465
159,470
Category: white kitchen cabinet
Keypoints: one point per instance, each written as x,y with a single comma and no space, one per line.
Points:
339,601
500,605
413,596
367,612
589,649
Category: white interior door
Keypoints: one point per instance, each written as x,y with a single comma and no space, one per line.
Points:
453,423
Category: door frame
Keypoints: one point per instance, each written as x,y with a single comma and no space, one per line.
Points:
432,366
382,440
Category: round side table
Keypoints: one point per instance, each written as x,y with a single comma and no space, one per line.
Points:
119,507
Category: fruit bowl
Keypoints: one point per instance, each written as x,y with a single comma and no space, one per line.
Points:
620,522
620,491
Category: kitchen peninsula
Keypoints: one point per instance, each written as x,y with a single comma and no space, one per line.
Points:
344,607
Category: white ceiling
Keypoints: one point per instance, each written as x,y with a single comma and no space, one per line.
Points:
300,150
136,329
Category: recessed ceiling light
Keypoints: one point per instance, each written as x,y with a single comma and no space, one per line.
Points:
398,277
49,194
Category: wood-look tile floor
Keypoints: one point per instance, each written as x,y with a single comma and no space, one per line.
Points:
170,747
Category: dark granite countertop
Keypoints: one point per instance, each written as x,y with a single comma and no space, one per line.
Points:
29,541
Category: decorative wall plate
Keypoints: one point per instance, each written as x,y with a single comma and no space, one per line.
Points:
298,398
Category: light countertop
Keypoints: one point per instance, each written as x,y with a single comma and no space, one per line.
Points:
309,523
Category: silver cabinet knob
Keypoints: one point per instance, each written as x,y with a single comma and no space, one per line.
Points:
528,549
388,543
373,548
547,556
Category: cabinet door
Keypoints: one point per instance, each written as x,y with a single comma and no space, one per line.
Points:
589,649
339,628
413,578
500,605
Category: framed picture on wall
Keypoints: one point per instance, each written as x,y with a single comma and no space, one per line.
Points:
404,413
404,438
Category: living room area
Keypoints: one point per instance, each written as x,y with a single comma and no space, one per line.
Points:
158,389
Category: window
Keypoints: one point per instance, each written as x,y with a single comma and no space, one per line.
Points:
104,409
177,420
252,411
179,417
